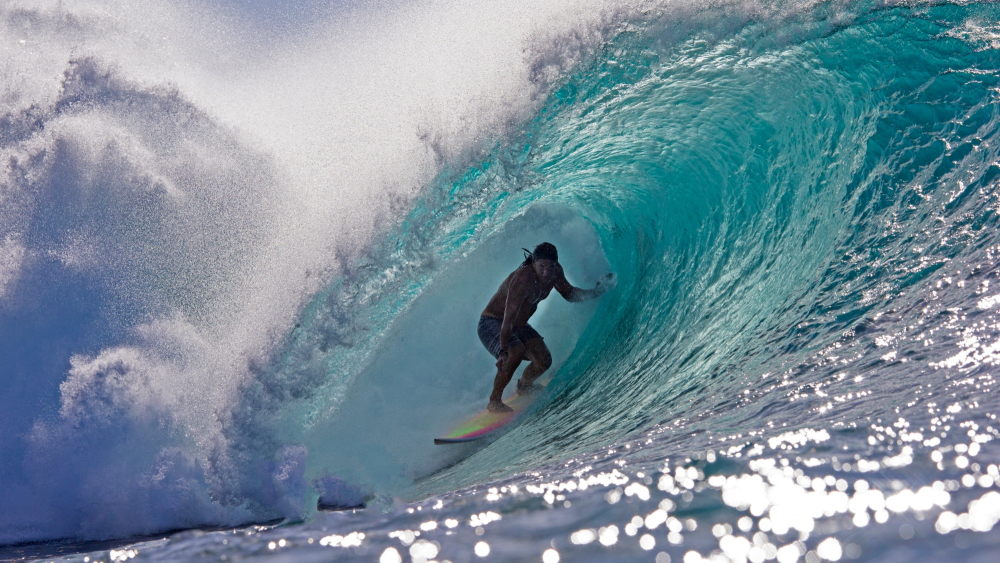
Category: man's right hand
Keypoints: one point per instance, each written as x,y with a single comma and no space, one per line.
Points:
502,358
606,284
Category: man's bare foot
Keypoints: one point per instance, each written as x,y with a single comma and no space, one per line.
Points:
498,406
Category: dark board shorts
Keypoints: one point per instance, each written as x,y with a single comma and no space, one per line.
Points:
489,334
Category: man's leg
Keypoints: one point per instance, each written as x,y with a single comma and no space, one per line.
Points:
541,359
504,373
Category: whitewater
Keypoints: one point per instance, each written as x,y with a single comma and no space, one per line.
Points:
244,247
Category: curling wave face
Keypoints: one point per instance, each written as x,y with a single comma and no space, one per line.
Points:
788,256
799,202
805,288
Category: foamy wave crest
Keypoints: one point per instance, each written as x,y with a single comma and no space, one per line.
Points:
174,187
118,225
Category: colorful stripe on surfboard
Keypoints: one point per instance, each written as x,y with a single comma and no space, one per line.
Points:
486,422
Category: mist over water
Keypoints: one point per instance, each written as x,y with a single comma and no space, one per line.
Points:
243,252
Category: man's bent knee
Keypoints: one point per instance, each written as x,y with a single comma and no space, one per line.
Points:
544,362
541,359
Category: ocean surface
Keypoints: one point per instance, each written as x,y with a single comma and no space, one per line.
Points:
244,247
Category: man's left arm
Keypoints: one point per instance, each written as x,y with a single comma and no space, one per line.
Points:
576,294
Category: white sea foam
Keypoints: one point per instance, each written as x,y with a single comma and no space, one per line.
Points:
188,179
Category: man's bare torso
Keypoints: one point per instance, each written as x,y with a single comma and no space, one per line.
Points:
534,291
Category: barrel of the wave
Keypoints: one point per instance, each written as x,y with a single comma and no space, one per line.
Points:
487,424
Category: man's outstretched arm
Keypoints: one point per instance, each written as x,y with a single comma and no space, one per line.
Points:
576,294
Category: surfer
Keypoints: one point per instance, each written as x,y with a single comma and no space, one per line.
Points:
503,325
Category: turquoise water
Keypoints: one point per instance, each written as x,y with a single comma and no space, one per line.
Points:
800,205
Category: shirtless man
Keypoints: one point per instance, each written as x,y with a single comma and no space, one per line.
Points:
503,326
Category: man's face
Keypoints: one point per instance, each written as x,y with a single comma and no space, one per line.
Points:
545,269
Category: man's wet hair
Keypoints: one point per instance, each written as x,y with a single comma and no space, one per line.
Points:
544,251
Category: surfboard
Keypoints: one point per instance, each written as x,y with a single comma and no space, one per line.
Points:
487,423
